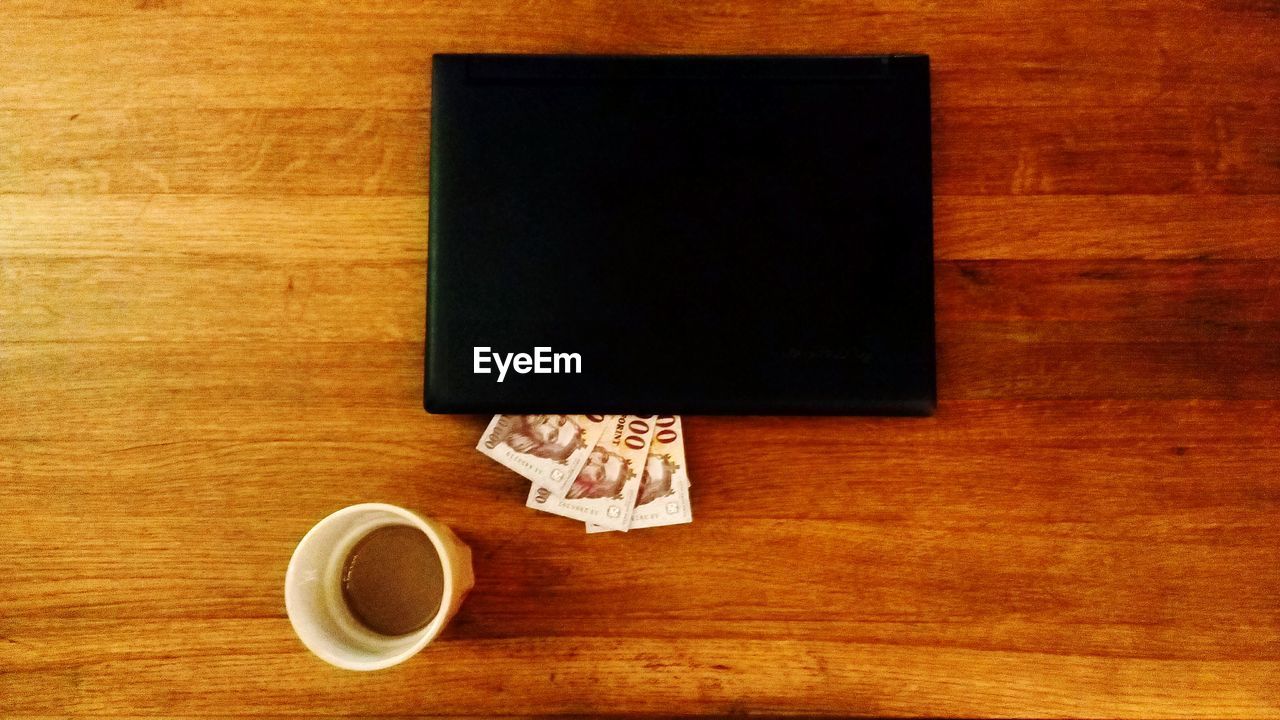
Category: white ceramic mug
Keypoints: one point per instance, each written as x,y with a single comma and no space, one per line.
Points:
313,592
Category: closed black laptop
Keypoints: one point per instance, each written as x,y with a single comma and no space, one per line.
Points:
680,235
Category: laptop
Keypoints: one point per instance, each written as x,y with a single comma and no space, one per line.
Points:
697,235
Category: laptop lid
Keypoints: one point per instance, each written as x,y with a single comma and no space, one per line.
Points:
747,235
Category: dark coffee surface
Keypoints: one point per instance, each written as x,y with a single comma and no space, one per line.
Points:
393,581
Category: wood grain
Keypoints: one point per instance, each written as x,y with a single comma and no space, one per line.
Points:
389,228
810,676
999,56
1136,227
1202,149
212,260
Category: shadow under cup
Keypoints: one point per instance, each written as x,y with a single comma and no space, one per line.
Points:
313,588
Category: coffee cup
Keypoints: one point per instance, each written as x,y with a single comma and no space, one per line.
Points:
335,617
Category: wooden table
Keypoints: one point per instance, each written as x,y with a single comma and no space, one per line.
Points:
212,244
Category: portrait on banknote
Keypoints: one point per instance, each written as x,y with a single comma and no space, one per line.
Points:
604,476
659,471
554,437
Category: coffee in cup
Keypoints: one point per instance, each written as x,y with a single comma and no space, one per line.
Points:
372,584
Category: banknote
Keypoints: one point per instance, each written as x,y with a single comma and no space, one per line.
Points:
547,450
663,498
605,490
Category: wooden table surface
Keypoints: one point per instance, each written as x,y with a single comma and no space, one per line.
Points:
212,244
